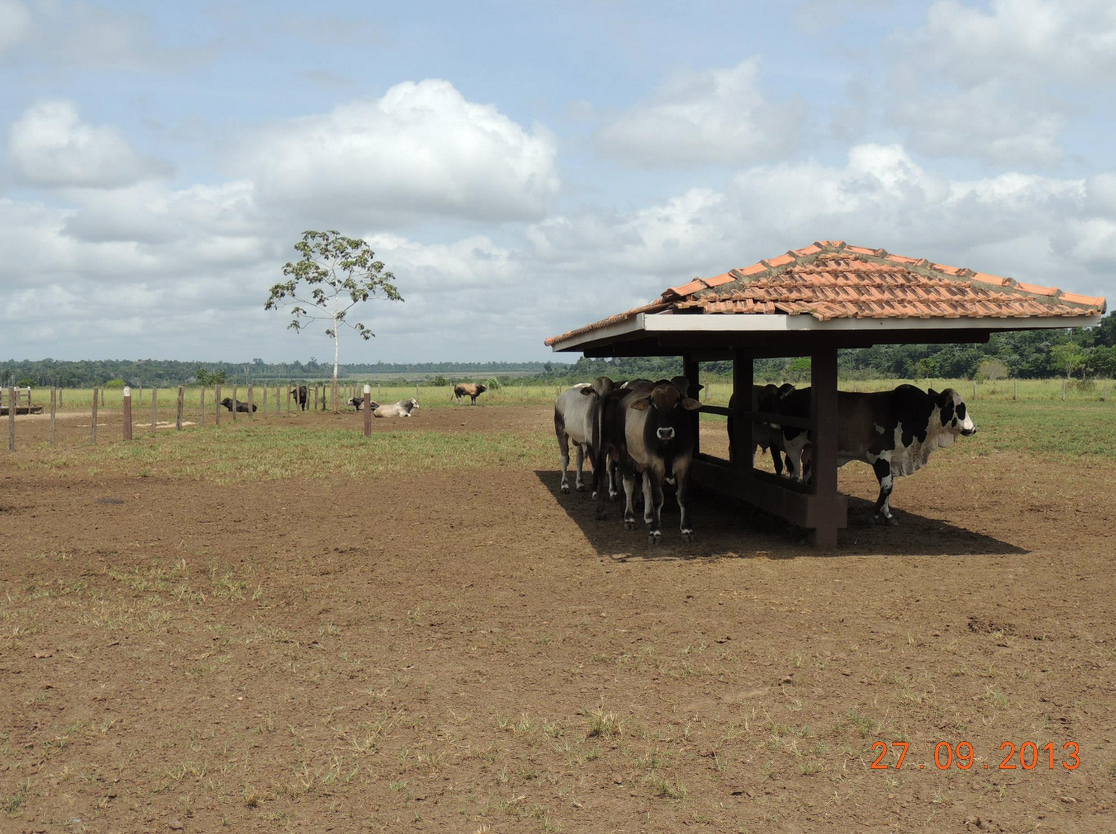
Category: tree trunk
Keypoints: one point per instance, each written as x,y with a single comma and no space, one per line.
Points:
336,349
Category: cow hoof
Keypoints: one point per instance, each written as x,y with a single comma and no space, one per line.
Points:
580,487
614,496
886,521
654,537
564,489
629,525
687,536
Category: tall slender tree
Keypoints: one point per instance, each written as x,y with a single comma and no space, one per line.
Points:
334,274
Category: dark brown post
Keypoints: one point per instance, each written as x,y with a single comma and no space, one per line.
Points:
154,408
743,378
217,410
251,402
11,418
59,396
54,396
367,410
234,403
823,433
201,412
93,428
181,402
102,396
127,413
690,371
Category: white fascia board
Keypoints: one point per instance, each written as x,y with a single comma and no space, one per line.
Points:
765,322
605,333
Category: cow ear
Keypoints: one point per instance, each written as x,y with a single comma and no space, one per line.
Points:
700,387
690,404
642,404
933,394
587,390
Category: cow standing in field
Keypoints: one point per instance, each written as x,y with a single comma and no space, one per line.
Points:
577,419
765,436
892,431
242,408
403,408
301,395
649,430
469,389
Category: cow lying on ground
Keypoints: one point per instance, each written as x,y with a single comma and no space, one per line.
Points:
240,407
403,408
577,418
301,395
649,430
469,389
765,436
892,431
358,404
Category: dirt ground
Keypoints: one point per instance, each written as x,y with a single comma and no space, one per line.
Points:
470,650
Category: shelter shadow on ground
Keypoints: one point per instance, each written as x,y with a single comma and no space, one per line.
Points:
727,528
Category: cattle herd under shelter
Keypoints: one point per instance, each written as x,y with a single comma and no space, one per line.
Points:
813,302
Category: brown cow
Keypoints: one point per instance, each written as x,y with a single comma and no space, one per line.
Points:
470,389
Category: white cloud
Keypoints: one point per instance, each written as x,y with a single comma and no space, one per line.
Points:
15,23
700,118
49,145
422,149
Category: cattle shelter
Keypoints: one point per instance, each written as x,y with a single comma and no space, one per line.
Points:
813,302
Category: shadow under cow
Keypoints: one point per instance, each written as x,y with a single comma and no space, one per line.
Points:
729,528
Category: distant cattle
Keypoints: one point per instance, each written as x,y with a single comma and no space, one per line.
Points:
765,436
403,408
358,404
302,396
893,431
472,390
649,430
240,407
577,419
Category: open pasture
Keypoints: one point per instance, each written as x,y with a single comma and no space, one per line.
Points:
278,625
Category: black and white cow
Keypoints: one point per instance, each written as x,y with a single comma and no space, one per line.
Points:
302,395
241,407
892,431
650,431
577,418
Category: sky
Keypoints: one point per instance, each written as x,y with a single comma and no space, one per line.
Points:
524,168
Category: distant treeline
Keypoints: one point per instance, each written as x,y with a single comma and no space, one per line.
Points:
1030,354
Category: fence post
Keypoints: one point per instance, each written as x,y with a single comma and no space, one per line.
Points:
234,403
367,410
59,396
278,402
178,416
264,406
217,410
154,408
416,392
11,419
251,402
93,433
127,413
201,407
288,399
1015,390
379,393
1063,390
53,405
102,396
974,389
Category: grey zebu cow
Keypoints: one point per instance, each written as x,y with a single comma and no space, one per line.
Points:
765,436
893,431
472,390
358,404
403,408
577,418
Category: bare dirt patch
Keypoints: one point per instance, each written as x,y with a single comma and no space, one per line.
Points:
458,649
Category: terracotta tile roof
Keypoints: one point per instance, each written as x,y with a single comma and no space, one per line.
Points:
832,280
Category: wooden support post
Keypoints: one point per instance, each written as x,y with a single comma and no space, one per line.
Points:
181,403
367,410
93,424
53,408
233,409
217,410
127,413
12,406
690,371
201,412
154,408
743,378
823,415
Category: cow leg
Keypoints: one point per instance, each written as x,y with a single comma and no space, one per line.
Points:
648,509
653,494
579,483
683,496
629,491
613,476
777,459
882,513
563,453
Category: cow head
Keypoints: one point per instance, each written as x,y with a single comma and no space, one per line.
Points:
682,383
667,419
599,386
953,413
481,389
